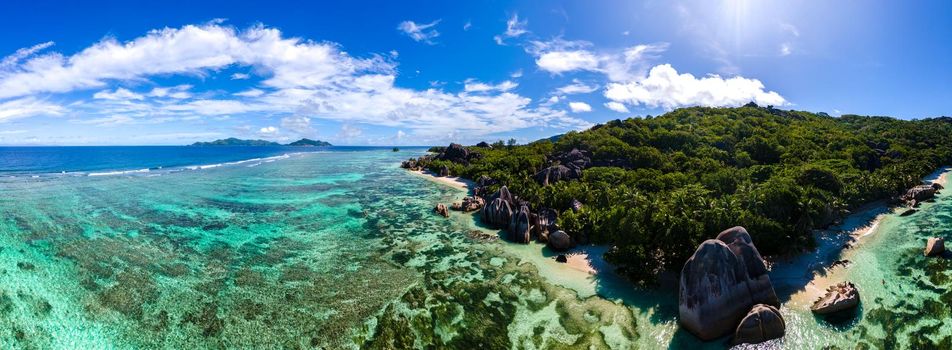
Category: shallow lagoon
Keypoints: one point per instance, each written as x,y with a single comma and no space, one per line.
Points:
341,250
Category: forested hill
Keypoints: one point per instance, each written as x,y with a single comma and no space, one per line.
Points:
654,188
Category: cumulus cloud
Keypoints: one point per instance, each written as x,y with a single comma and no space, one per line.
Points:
28,107
514,28
298,124
268,130
576,87
420,32
472,85
665,87
558,56
299,77
240,76
578,107
617,107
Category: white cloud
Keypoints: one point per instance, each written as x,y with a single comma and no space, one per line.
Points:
20,54
516,75
240,76
420,32
576,87
28,107
268,130
250,93
514,28
472,85
467,25
348,132
664,87
300,77
565,61
298,124
578,107
785,49
105,121
617,107
119,94
177,92
559,56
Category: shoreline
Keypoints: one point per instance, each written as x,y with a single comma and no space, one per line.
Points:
803,278
452,181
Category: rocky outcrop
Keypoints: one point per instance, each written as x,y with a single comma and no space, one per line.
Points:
468,204
483,144
520,227
934,246
561,258
839,297
721,282
919,193
761,324
441,209
557,173
937,186
575,159
560,241
543,223
455,153
498,209
444,171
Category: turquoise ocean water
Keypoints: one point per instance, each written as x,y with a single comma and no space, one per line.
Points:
340,249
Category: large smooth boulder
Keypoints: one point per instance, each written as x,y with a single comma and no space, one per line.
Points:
444,171
499,208
721,282
560,241
557,173
934,246
839,297
761,324
520,227
455,153
920,193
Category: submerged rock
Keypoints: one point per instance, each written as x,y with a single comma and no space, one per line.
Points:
909,211
560,241
761,324
519,226
935,246
562,258
441,209
839,297
721,282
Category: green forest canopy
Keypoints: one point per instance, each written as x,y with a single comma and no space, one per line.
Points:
692,172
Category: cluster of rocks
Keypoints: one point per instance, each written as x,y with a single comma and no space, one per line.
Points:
455,153
503,210
725,288
566,166
916,195
469,203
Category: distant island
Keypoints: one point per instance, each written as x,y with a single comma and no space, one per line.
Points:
231,141
309,142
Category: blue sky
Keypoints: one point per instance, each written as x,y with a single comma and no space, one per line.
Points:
431,72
